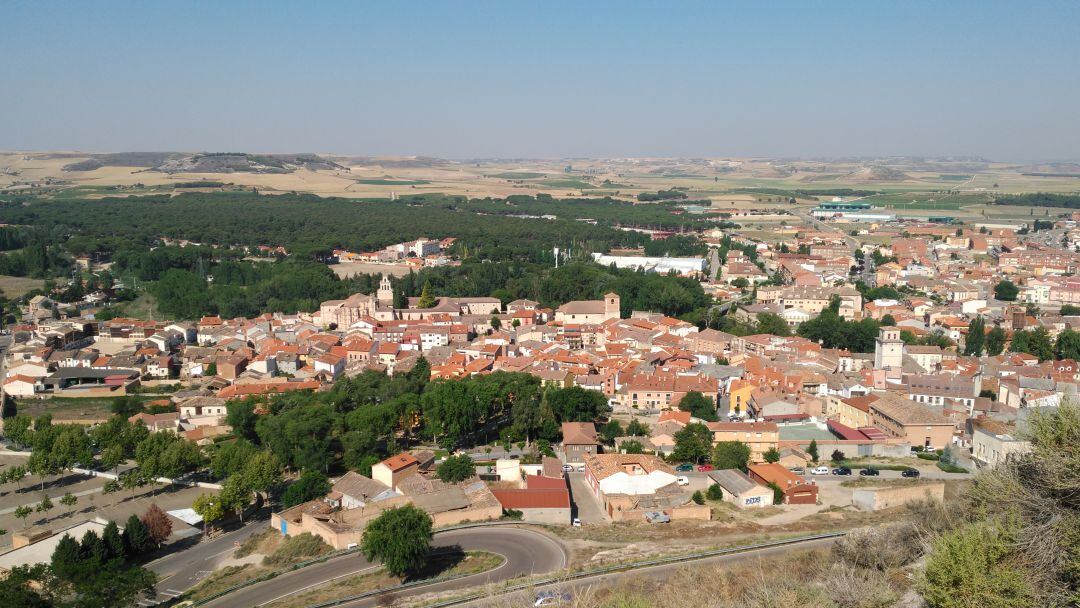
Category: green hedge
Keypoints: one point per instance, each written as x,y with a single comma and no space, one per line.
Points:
950,468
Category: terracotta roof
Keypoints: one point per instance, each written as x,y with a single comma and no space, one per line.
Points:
533,499
400,461
579,433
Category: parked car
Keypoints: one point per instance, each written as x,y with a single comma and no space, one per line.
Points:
552,598
841,471
581,469
657,517
869,472
821,470
910,473
798,470
704,467
576,523
682,480
685,467
567,468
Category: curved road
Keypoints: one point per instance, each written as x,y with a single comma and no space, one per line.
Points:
526,551
581,588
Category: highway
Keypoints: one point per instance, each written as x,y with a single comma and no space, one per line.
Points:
526,551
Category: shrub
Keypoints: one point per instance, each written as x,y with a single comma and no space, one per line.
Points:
950,468
698,497
714,492
928,456
295,549
880,547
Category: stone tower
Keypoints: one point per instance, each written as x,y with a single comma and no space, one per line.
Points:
611,306
888,349
385,295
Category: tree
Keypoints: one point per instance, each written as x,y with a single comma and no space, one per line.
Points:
637,428
112,457
400,538
113,540
995,341
1067,345
496,324
770,323
44,506
456,469
698,497
976,338
692,443
731,455
888,321
126,406
715,492
210,508
17,429
68,500
136,536
66,558
427,300
311,485
241,416
22,512
611,430
1036,342
771,455
1006,291
699,406
812,450
235,495
157,523
838,456
631,447
973,566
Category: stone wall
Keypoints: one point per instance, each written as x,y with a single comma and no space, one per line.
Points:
875,499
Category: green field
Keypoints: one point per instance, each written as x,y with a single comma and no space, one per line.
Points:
567,183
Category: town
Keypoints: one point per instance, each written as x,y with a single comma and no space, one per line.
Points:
571,305
904,350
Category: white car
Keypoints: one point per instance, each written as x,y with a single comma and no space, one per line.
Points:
576,523
682,480
822,470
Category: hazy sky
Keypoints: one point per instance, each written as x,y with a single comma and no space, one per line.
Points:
544,79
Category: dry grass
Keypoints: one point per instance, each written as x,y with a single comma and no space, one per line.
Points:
16,287
473,562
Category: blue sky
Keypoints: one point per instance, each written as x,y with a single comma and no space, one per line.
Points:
550,79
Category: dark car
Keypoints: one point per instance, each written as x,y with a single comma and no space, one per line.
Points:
909,473
841,471
685,467
869,472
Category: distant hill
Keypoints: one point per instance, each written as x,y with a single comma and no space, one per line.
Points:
879,173
208,162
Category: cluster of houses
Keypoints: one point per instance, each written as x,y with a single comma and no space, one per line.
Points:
419,253
774,393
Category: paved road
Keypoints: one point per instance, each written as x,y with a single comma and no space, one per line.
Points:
580,588
583,502
182,570
526,551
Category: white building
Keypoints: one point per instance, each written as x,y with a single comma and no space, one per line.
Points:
652,264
